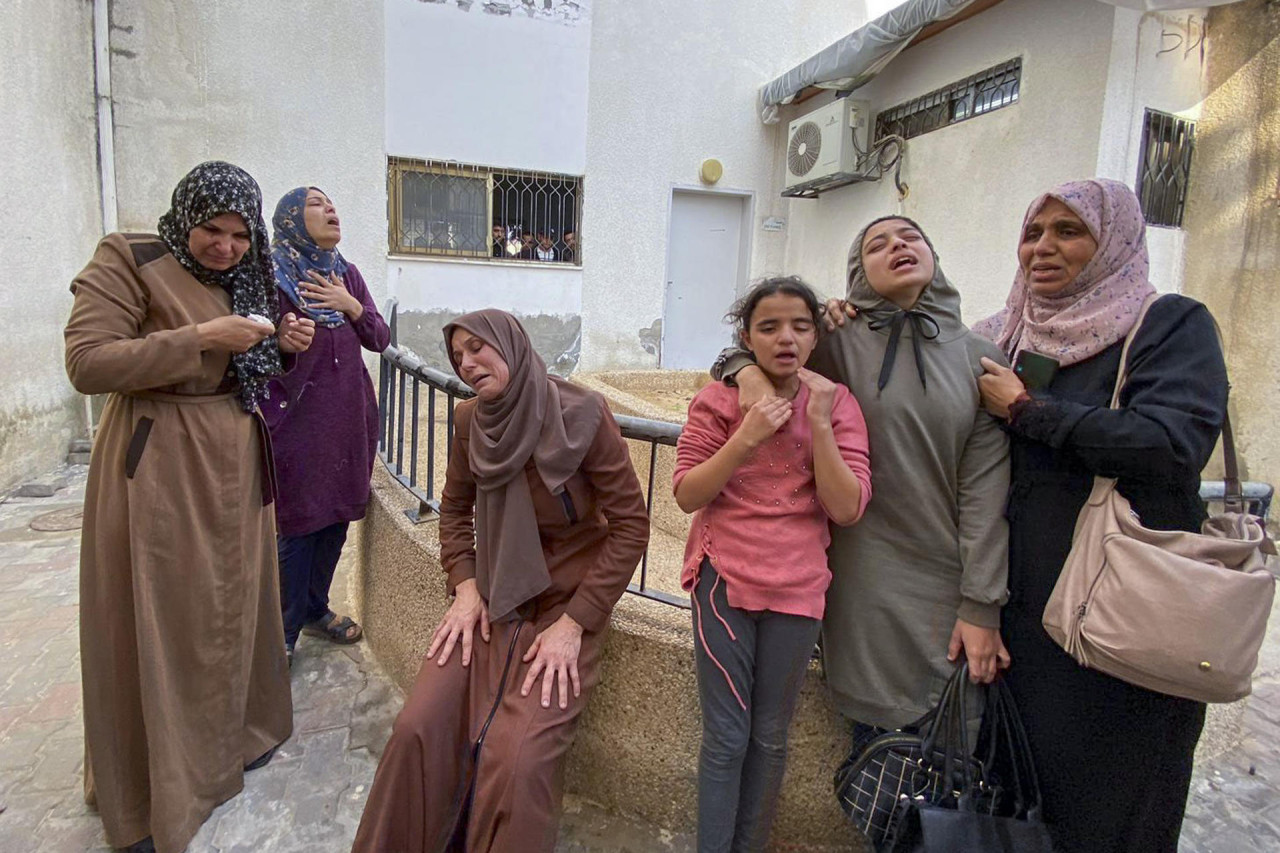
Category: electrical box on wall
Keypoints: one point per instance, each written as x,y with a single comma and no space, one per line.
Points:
828,142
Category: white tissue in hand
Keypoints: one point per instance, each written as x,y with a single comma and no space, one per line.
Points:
258,318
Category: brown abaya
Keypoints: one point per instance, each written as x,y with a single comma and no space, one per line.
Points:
592,536
181,645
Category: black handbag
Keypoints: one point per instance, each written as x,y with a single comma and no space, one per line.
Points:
989,815
881,772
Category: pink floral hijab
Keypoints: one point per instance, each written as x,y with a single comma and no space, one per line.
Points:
1102,304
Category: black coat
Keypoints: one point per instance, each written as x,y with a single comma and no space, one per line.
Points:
1114,759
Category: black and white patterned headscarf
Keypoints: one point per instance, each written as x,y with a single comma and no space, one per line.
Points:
212,189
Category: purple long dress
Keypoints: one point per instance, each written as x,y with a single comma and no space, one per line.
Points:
323,417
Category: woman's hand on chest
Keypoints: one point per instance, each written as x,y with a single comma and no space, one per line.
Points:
329,293
822,399
765,418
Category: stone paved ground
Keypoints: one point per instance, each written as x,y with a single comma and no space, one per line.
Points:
1234,805
311,795
309,798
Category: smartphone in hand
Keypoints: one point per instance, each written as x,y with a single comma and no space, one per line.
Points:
1035,370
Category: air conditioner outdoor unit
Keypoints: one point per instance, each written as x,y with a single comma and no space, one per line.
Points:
822,143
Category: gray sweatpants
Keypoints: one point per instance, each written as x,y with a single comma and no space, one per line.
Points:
751,665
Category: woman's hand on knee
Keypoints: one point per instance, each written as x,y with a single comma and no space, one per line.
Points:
555,657
982,648
459,624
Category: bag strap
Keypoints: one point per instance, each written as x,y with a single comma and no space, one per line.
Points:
947,737
1020,747
1233,493
1122,375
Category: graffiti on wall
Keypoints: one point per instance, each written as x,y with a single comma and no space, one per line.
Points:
1184,34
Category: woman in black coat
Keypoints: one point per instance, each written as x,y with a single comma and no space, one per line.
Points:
1114,759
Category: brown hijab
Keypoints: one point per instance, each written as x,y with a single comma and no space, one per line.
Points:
540,418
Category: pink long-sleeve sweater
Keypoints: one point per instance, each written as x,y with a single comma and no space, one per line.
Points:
766,532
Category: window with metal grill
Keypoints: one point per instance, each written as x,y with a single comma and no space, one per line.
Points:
467,211
1167,145
980,93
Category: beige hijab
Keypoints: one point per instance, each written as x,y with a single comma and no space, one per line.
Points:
538,417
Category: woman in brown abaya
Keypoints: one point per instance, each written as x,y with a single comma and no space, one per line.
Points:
542,522
181,645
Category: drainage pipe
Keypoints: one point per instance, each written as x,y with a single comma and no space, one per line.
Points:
106,126
106,137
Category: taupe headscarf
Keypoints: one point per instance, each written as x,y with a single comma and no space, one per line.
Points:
935,316
538,417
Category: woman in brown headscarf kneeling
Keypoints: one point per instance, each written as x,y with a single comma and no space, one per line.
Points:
542,522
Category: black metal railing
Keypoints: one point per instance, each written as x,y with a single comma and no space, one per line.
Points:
402,402
976,95
1168,142
402,377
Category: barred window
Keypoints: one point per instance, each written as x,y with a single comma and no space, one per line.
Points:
467,211
981,93
1167,145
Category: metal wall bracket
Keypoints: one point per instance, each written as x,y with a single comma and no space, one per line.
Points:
423,513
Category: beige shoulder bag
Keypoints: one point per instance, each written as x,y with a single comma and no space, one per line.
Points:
1175,612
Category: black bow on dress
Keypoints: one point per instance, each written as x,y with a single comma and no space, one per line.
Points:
894,322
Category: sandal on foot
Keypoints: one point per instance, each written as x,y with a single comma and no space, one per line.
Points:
335,629
261,760
146,845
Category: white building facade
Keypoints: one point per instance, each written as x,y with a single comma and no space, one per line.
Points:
1089,71
632,98
431,121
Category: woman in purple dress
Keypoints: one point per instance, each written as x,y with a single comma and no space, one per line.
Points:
323,414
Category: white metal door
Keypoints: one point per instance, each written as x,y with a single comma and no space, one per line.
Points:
704,272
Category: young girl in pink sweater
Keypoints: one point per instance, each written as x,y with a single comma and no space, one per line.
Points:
762,489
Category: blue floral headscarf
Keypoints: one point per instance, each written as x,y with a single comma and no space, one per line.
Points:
294,254
210,190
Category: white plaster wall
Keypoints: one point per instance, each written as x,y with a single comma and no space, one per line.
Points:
508,91
547,299
462,286
671,84
290,90
971,182
494,90
1157,62
49,222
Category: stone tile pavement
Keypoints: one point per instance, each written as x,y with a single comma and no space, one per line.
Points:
311,795
309,798
1234,805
